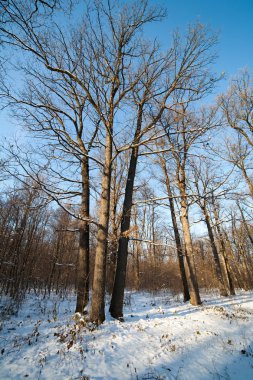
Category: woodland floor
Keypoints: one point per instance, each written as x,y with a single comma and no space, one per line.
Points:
161,338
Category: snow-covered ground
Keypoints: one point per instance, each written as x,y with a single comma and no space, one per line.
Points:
161,338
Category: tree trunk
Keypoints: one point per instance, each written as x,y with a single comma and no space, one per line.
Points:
116,306
83,258
97,313
217,264
223,252
180,253
113,246
137,269
137,253
190,273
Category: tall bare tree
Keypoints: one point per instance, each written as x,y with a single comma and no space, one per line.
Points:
101,60
186,68
185,130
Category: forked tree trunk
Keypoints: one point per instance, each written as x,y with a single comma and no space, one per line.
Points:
97,314
190,272
116,306
83,258
180,253
222,287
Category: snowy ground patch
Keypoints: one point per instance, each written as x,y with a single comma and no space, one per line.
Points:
161,338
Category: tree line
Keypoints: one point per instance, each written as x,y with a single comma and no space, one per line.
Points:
121,142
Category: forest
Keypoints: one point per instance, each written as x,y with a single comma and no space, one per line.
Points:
130,177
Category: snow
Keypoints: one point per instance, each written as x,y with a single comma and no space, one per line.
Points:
161,338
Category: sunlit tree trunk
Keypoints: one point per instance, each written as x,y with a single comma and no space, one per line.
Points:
97,314
189,254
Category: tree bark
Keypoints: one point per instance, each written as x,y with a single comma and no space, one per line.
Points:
83,257
116,306
190,273
113,246
97,314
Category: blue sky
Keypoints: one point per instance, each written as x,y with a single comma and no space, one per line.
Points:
233,19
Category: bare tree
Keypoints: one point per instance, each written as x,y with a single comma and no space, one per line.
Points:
239,153
23,217
123,79
180,251
205,179
239,243
32,8
59,117
101,63
185,130
237,105
185,68
222,240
